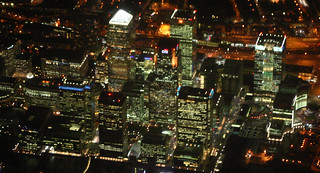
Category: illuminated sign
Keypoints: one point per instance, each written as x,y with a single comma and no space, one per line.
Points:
165,51
147,58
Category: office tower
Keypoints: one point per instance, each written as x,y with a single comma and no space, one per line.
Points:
269,51
112,125
78,99
22,66
42,131
283,107
183,28
9,49
194,125
162,99
31,126
135,92
8,91
167,59
145,63
120,34
69,98
119,66
63,135
57,63
157,143
232,77
42,92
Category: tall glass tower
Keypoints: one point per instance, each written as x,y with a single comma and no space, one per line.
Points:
183,28
269,51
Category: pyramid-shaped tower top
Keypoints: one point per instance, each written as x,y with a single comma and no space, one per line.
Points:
121,18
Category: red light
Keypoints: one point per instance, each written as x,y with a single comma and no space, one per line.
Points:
190,19
119,100
109,94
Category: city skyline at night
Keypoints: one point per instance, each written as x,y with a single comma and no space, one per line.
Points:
160,86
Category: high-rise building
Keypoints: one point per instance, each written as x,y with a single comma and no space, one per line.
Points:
8,91
136,107
69,98
22,65
183,28
269,52
194,125
167,58
113,133
232,77
120,34
157,144
8,51
145,63
162,101
119,65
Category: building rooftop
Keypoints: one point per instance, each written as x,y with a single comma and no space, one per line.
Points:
187,93
155,138
232,67
75,85
112,98
284,101
121,17
35,118
194,152
46,84
133,88
69,55
167,43
183,14
277,124
64,127
208,66
276,40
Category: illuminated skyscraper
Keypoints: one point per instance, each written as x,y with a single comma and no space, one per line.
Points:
194,125
119,65
120,34
112,125
183,28
269,51
162,98
167,58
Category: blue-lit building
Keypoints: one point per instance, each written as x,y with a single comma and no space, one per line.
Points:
66,97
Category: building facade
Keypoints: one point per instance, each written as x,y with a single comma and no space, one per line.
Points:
269,52
194,125
183,28
113,133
